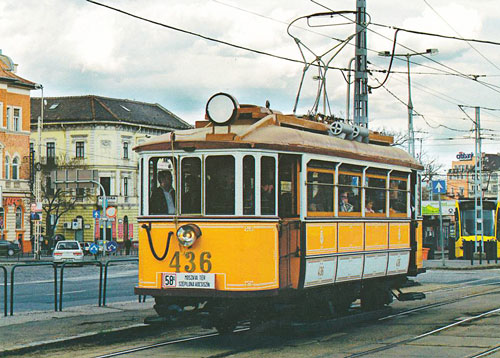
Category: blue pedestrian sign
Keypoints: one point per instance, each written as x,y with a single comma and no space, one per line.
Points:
96,214
112,246
439,187
93,249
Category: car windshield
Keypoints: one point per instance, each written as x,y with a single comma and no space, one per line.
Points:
68,246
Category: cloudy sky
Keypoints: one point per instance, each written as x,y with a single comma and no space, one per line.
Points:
74,47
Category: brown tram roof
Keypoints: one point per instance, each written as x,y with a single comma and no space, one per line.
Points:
280,133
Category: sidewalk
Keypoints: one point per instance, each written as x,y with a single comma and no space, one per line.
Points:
437,264
32,329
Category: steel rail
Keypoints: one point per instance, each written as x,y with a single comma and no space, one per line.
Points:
423,335
162,344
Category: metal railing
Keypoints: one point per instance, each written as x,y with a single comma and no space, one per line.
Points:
4,290
106,274
30,264
61,280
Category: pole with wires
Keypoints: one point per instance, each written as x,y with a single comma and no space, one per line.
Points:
361,76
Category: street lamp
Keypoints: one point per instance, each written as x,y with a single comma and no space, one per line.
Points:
38,189
411,133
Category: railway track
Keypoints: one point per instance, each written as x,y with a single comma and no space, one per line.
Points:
429,333
342,322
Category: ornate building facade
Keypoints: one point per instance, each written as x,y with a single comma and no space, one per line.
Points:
14,154
98,133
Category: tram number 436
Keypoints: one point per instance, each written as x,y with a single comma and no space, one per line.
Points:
191,261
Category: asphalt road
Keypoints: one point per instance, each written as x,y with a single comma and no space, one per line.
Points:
34,286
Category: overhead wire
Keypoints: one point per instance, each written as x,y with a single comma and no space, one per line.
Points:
468,42
454,72
486,84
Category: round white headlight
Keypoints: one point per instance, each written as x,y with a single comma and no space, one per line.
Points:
188,234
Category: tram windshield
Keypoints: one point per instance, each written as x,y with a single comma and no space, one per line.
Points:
467,219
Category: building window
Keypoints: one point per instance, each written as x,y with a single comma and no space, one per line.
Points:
19,218
9,117
125,150
80,150
15,168
7,167
106,184
51,152
17,120
125,186
1,114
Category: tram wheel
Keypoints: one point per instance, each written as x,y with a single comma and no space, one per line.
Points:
373,297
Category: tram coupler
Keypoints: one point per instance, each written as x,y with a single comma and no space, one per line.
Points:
408,296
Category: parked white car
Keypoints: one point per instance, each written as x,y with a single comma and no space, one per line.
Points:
68,251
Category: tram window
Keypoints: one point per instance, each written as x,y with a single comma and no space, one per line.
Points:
162,198
375,198
219,182
320,192
398,196
191,186
349,193
287,187
268,190
248,185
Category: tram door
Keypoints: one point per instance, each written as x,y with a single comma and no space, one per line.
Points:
288,210
416,221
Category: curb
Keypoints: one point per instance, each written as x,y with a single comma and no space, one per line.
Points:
26,348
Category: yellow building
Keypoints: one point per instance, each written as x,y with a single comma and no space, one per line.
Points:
14,154
97,133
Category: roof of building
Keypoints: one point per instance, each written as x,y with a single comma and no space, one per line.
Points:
93,108
7,74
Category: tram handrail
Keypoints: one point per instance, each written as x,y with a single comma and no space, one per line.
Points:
106,274
61,279
27,264
4,290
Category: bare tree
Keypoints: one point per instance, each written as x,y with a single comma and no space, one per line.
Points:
58,200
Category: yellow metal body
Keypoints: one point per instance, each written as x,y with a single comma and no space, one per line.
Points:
243,256
459,244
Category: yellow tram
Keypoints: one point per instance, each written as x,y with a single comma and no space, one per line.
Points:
260,211
465,231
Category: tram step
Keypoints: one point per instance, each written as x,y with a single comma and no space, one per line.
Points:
410,296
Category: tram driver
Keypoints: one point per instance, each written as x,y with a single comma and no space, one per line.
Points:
162,200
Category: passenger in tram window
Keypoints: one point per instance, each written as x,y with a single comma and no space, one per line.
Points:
369,206
162,200
344,205
316,199
397,203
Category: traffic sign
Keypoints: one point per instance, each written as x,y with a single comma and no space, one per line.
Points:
93,249
112,246
439,187
96,214
111,212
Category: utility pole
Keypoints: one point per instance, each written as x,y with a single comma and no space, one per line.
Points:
478,188
411,132
38,180
361,74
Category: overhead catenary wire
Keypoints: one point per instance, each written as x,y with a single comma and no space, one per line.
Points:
468,42
455,72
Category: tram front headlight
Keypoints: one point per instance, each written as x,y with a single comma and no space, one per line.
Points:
188,234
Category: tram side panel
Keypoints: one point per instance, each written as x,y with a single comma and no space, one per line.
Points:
237,257
346,251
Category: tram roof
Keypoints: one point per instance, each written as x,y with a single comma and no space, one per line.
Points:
279,133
